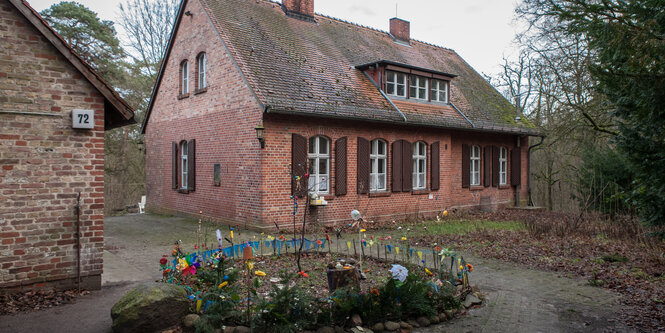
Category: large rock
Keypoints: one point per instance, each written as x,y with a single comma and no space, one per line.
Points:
423,322
150,307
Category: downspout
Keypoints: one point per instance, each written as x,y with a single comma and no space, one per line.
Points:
528,169
460,112
385,96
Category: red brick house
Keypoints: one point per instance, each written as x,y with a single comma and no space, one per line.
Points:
45,162
394,127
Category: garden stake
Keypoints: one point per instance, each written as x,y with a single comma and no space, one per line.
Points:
355,252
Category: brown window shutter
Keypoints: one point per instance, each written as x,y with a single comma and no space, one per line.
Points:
174,165
298,165
363,165
435,165
407,166
340,166
495,166
487,163
466,166
515,167
396,181
191,165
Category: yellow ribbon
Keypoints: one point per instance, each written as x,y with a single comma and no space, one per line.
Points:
396,249
420,255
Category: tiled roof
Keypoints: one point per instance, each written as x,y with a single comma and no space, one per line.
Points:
300,67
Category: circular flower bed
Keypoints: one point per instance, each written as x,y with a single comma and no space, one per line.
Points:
269,295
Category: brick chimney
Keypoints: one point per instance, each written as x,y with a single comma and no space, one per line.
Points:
298,8
400,29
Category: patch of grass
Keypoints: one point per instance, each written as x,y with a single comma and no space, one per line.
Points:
614,258
461,227
596,282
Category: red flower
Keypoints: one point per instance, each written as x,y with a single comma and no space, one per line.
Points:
375,292
306,176
303,274
163,261
189,270
319,242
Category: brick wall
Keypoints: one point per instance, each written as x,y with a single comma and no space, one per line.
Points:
277,205
44,163
222,122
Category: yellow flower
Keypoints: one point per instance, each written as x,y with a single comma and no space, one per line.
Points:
362,230
182,264
221,285
260,273
445,213
461,268
250,265
404,238
428,272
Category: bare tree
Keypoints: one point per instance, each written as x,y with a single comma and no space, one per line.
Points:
148,25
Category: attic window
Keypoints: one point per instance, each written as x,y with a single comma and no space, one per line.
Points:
418,87
440,90
396,84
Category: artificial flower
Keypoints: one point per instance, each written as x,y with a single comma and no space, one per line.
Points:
250,265
189,270
319,242
461,268
362,230
388,237
445,213
163,261
259,273
222,285
374,292
403,238
303,274
469,267
428,272
182,264
399,272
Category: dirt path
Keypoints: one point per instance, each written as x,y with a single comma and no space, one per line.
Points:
518,299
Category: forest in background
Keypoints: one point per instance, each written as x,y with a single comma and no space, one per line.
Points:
589,74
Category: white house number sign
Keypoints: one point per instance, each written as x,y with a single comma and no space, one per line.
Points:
83,119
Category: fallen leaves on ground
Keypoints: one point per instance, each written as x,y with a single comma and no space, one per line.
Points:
36,300
634,268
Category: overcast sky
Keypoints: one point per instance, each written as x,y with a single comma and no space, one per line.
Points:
481,31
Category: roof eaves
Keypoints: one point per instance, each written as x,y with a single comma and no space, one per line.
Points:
395,63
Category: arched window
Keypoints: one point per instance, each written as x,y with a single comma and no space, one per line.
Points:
184,78
184,153
475,165
419,165
319,164
377,163
503,166
201,66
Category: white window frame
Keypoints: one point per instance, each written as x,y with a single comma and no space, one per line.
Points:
503,166
375,159
202,65
439,86
184,156
316,179
393,82
416,88
419,178
475,166
184,79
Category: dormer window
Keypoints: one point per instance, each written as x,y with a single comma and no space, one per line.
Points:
418,87
395,84
440,90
